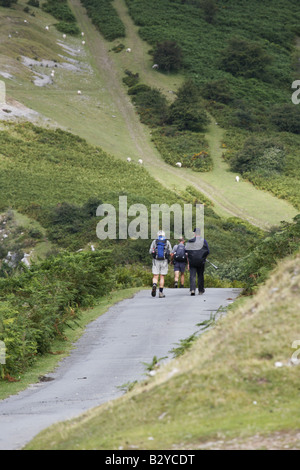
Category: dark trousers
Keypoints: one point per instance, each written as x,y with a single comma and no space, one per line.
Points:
197,271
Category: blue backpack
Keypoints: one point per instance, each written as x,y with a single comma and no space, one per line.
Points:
161,250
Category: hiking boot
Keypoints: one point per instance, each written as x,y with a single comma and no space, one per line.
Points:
153,292
192,292
201,292
176,285
181,286
161,295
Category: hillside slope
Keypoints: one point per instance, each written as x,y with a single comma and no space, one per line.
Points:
105,116
239,381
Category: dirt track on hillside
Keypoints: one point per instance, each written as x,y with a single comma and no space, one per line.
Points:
167,175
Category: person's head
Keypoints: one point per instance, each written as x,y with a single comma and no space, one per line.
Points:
161,233
181,240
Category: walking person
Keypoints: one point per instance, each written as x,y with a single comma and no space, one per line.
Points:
198,250
179,258
160,250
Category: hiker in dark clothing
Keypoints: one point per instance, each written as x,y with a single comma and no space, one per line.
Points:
179,259
198,250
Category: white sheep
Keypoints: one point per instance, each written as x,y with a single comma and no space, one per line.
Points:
83,43
128,50
47,28
178,164
25,21
78,92
129,159
82,34
237,179
155,66
140,161
64,36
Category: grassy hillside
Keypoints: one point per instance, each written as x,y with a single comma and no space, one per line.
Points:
103,114
237,381
243,63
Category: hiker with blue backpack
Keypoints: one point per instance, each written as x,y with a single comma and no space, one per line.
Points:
160,250
179,259
197,250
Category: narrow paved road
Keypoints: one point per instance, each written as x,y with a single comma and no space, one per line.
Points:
110,354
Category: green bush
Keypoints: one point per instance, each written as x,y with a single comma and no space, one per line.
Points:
217,90
105,18
189,148
264,156
168,55
68,28
254,268
7,3
151,104
34,3
287,118
187,112
60,10
245,58
37,304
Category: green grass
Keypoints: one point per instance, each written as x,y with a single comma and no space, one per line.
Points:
225,386
61,348
104,116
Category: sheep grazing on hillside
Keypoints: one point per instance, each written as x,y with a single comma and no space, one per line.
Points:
237,179
128,50
129,159
82,34
25,21
140,161
155,66
78,92
47,28
83,43
178,164
64,36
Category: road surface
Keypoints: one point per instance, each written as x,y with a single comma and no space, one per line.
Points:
109,354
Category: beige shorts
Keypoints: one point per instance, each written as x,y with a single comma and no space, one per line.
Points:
160,267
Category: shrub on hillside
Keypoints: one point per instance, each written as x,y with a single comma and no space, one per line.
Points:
7,3
246,59
60,10
264,156
287,118
254,268
217,90
105,18
168,55
151,104
37,305
187,112
68,28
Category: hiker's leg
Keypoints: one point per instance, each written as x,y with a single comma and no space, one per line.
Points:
201,278
162,281
155,279
176,275
193,272
182,279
